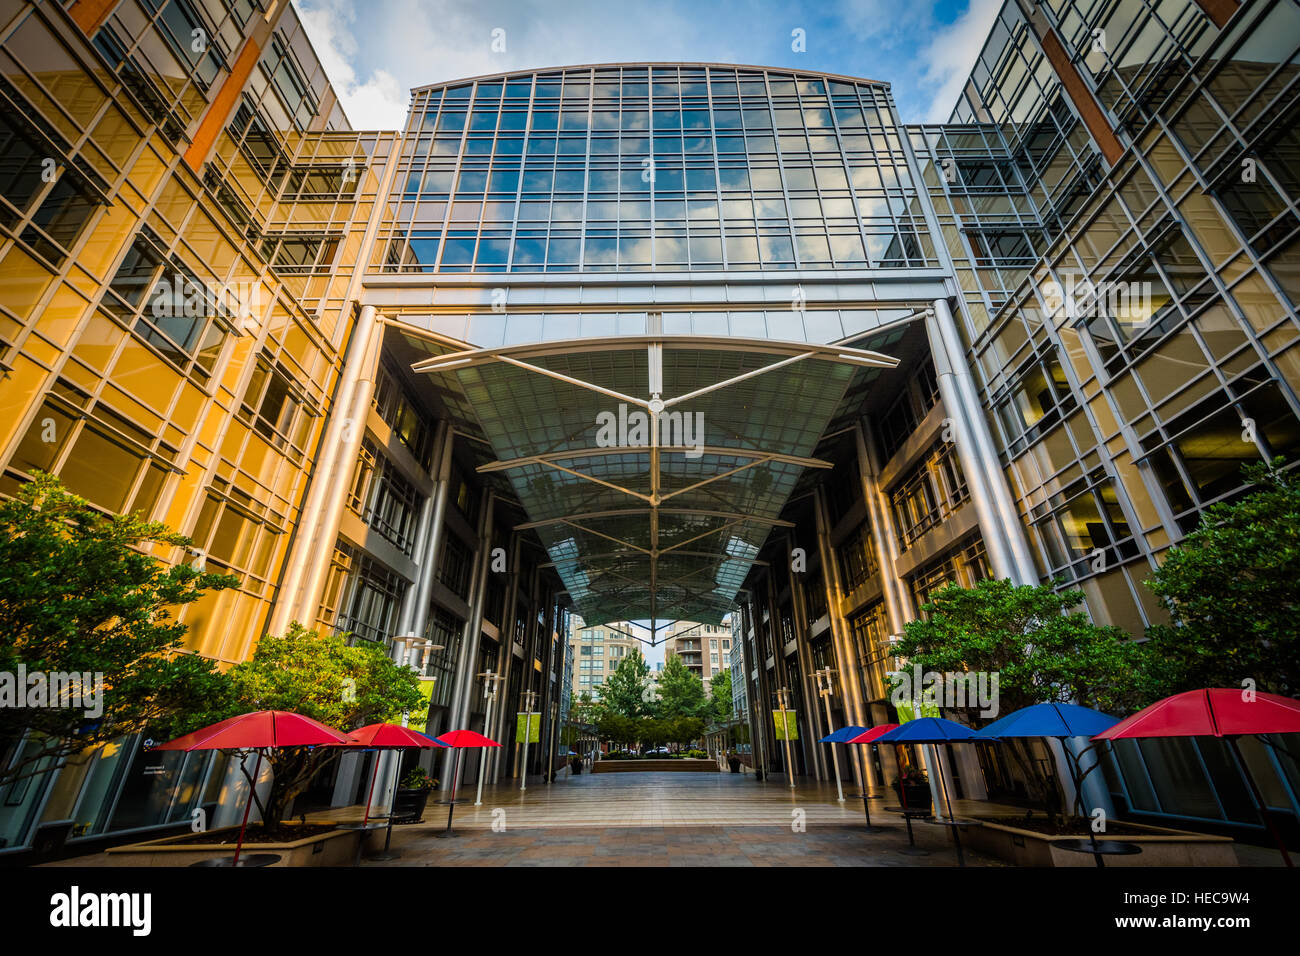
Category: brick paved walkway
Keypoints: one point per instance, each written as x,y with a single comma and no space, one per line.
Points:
667,819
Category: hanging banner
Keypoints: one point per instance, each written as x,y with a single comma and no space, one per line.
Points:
787,724
907,710
418,723
534,727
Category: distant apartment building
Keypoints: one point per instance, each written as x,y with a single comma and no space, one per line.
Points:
705,649
597,652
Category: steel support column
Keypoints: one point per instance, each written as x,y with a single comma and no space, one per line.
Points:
799,619
458,714
299,593
445,444
845,664
1004,537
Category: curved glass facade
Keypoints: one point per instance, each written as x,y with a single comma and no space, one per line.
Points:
653,168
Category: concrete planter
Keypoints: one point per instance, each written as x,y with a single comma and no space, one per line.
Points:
1160,847
915,796
330,848
408,805
682,765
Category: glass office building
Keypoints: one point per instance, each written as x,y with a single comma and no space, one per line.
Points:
651,341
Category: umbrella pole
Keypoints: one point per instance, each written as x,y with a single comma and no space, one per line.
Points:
943,787
1077,779
392,802
455,775
1258,798
239,844
866,805
943,783
371,792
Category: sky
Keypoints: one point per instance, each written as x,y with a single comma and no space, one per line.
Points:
375,51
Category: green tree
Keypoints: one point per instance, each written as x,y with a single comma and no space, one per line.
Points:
720,695
684,730
324,679
681,692
625,691
86,592
653,731
1231,588
1031,636
1038,645
616,729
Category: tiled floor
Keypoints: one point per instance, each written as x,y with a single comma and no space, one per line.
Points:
653,799
673,846
666,819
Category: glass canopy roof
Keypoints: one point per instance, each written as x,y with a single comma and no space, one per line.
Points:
653,467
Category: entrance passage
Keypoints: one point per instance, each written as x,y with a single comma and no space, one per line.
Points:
655,799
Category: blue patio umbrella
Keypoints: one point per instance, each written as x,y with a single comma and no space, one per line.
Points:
1050,720
933,730
843,736
930,730
927,730
1059,721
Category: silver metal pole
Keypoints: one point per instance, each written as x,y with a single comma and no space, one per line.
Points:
784,696
490,679
530,698
824,687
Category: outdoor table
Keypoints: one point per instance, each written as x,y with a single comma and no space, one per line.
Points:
371,824
1098,849
956,826
909,815
246,859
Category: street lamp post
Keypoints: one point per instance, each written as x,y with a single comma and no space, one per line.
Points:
530,699
783,696
826,687
490,681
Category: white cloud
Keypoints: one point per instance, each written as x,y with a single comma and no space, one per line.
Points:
886,23
375,51
950,54
375,56
375,102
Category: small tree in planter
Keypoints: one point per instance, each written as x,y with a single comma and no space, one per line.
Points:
1041,646
325,679
417,778
86,592
1230,590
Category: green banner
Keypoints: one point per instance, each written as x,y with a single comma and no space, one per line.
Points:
418,724
787,724
534,728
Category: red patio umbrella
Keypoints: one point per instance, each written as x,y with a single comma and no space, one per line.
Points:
460,739
386,737
869,737
1224,712
259,730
